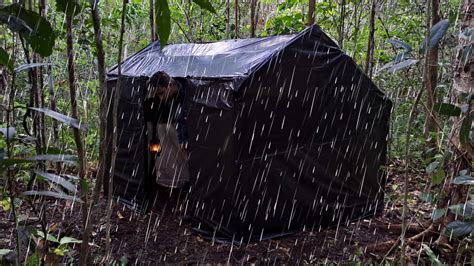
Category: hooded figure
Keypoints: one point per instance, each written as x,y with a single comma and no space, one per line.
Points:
170,128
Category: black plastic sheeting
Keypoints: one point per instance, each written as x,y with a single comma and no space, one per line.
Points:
285,133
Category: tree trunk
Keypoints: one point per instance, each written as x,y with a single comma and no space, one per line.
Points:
236,14
370,45
431,76
227,19
116,93
75,115
357,19
253,22
341,24
152,21
102,133
463,153
311,15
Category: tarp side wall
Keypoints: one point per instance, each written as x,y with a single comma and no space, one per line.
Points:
302,145
130,162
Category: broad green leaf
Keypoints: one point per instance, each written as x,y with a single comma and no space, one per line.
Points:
61,118
35,29
434,260
467,34
69,240
52,194
436,33
400,45
465,210
163,21
426,197
460,228
402,65
8,132
401,57
49,237
466,54
463,180
69,7
4,252
437,213
393,66
465,129
124,260
205,4
66,158
438,177
432,167
447,109
57,180
28,66
5,60
464,172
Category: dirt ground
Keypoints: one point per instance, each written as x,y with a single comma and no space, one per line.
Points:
161,236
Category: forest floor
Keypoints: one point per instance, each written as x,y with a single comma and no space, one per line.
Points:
161,236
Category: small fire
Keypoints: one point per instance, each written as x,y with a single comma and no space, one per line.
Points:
155,147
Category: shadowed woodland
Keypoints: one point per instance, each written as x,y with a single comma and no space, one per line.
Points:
59,141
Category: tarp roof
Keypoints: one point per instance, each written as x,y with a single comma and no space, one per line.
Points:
222,59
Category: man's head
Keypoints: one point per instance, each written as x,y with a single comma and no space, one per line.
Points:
163,86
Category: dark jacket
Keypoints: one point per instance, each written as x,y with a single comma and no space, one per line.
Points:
182,109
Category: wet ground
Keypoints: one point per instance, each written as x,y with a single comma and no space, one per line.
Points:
161,236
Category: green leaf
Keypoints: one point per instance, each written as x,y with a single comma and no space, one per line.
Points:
447,109
69,7
28,66
32,27
432,167
401,57
8,132
438,213
75,123
438,177
49,237
434,260
465,210
464,180
400,45
436,33
84,186
52,194
67,158
465,129
426,197
69,240
205,4
59,251
393,66
4,252
124,260
163,21
5,60
52,178
460,228
467,34
466,54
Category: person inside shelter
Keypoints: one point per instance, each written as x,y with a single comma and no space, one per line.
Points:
169,133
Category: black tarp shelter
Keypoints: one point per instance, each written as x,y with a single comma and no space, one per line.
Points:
285,132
